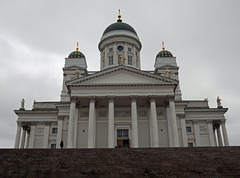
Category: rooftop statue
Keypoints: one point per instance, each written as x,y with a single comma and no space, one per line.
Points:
168,73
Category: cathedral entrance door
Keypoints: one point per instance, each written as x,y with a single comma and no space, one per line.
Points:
122,138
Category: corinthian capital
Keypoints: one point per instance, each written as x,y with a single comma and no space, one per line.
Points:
92,99
133,97
110,98
170,97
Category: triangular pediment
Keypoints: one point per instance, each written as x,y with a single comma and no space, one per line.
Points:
122,75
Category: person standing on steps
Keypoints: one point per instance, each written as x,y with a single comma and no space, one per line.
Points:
61,144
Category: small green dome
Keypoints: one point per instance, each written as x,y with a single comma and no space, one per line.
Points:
164,53
76,54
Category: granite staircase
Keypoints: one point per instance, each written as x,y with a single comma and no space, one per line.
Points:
121,162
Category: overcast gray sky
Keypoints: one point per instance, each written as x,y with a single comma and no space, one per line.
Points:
36,36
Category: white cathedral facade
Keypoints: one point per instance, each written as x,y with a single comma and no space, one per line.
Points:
121,105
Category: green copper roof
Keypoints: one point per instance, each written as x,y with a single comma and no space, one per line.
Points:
119,25
76,54
164,53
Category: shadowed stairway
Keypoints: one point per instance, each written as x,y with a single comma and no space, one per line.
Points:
121,162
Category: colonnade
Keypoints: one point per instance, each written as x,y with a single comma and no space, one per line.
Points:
219,137
72,128
25,135
214,133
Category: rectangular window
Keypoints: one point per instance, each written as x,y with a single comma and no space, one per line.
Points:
190,144
53,146
110,60
54,130
130,60
122,133
188,129
110,49
129,49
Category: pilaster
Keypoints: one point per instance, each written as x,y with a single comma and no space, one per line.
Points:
32,134
183,129
210,133
196,133
46,134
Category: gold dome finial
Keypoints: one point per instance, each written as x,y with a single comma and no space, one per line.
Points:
163,46
77,46
119,15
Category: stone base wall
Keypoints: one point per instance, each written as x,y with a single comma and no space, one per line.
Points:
121,162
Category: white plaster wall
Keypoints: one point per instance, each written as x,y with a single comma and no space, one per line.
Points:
102,135
163,133
204,140
143,134
38,142
82,134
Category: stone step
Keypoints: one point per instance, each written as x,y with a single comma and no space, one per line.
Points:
121,162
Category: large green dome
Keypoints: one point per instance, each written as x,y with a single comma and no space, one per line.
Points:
76,54
119,25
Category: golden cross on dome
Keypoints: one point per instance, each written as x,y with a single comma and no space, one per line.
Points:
163,46
77,46
119,15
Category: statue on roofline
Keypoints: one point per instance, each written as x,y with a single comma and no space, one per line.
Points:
76,74
219,104
121,60
168,73
22,104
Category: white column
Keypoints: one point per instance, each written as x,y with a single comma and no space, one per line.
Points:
169,125
110,121
220,142
18,134
196,133
59,131
28,137
172,113
23,136
71,123
215,137
134,122
75,127
210,132
150,127
183,129
32,135
224,132
46,134
91,123
154,121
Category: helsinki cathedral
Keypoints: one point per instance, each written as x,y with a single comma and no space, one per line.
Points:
121,105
